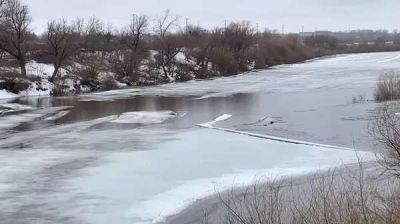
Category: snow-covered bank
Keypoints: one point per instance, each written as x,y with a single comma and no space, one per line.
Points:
4,94
296,76
345,71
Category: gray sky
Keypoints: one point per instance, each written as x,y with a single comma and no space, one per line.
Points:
322,14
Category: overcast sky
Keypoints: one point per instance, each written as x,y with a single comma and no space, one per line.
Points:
321,14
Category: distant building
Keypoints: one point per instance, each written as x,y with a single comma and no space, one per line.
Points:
306,34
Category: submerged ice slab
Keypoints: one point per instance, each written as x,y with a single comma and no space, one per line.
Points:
144,117
57,116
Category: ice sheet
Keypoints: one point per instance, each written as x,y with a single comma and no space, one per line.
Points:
155,184
16,106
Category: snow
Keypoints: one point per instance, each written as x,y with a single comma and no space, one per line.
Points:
34,91
31,91
41,70
4,94
120,84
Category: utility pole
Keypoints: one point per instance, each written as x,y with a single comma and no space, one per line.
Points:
225,24
283,30
257,29
302,29
186,25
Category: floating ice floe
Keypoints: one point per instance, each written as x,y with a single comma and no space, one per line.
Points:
146,117
16,106
219,119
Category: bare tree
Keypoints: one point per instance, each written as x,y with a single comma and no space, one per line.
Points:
61,43
126,59
15,31
167,45
386,130
93,31
132,36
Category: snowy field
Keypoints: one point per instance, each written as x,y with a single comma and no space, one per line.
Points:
140,155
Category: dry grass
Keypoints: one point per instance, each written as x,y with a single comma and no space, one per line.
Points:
338,196
388,87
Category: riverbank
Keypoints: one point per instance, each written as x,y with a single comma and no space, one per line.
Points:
276,193
38,85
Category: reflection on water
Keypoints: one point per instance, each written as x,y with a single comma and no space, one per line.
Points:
198,110
316,116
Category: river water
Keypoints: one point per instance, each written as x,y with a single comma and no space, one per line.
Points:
136,155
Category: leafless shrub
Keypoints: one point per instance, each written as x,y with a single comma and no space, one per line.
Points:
109,83
386,131
345,195
388,87
167,44
224,62
126,64
13,82
61,42
126,60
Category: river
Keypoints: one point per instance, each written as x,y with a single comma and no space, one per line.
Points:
137,155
